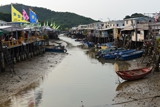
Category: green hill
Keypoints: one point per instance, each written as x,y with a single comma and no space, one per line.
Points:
64,19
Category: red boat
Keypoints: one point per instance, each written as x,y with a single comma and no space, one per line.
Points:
134,74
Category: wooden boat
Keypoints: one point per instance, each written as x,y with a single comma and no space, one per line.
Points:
132,55
134,74
55,49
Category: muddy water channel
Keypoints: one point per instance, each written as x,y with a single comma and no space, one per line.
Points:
80,79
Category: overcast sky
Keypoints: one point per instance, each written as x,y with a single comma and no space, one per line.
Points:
96,9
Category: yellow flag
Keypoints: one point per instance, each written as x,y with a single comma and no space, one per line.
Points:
16,15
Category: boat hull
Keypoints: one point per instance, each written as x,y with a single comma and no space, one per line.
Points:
134,74
54,50
133,55
117,54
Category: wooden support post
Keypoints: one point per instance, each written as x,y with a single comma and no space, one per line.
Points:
2,57
156,69
2,62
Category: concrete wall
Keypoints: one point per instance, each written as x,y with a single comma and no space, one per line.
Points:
140,36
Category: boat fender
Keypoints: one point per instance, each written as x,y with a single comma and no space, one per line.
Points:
65,50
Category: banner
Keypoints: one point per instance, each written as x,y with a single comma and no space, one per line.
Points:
47,23
16,15
51,24
33,17
57,27
25,16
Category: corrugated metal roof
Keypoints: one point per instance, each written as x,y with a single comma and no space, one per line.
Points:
10,28
4,27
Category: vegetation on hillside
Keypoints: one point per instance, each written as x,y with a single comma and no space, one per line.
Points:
5,16
135,15
64,19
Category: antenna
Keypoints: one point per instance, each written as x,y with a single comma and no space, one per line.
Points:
82,103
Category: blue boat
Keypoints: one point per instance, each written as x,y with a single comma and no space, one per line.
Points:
88,44
60,49
102,52
132,55
115,55
110,56
105,45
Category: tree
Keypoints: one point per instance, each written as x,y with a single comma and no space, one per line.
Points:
135,15
127,17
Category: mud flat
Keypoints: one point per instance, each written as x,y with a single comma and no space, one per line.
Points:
141,93
27,72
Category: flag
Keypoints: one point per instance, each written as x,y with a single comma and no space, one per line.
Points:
156,17
51,24
39,25
25,16
16,15
57,27
47,23
33,17
44,24
54,25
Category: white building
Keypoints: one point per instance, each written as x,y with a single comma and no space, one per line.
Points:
82,27
112,27
113,24
138,26
95,26
3,23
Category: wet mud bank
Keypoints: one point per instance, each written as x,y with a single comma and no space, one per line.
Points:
141,93
27,72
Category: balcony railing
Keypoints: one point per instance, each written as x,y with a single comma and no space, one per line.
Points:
21,40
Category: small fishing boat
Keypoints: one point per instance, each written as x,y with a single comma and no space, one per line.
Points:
88,44
104,46
132,55
55,49
134,74
117,54
102,52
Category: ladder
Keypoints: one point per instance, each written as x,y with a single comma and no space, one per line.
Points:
127,44
8,59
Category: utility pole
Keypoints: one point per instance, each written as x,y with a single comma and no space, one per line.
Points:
135,30
135,37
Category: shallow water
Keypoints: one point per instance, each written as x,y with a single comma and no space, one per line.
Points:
78,80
